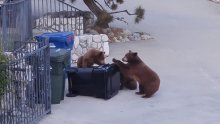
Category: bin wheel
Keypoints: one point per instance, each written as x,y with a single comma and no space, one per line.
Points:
71,95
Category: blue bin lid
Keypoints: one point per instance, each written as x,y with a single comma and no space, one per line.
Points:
57,34
53,34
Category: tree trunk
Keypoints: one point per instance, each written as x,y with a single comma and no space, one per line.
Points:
103,20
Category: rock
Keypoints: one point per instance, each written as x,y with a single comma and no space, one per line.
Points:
106,48
94,45
93,32
82,38
99,45
120,38
96,38
125,40
83,44
136,36
84,50
146,37
104,31
76,42
216,1
78,51
74,57
108,30
131,37
115,39
89,39
104,37
127,32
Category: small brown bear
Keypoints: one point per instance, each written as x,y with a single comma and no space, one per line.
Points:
136,69
92,56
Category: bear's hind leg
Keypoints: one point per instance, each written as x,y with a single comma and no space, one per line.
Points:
146,96
141,90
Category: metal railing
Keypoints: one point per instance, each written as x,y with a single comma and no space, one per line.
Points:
25,95
15,23
26,92
56,15
18,18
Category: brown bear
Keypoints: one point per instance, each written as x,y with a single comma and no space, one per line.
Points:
128,83
92,56
136,69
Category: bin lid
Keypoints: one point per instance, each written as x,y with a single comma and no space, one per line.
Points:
53,35
59,55
56,34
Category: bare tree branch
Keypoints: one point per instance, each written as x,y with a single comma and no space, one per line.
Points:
126,11
106,3
99,4
121,19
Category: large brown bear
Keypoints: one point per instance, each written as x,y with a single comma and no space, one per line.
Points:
92,56
136,69
128,83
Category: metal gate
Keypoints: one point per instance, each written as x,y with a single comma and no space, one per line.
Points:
15,23
25,91
25,95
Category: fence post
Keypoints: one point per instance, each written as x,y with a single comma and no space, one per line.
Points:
4,28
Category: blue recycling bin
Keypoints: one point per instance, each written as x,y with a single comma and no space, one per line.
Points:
64,40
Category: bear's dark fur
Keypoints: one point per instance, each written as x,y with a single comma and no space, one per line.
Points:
137,70
92,56
128,83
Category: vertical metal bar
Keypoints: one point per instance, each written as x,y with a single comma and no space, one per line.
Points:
38,13
51,10
30,21
67,19
32,89
42,14
21,90
40,79
55,8
59,17
4,27
30,86
46,4
42,82
72,19
75,21
63,10
34,14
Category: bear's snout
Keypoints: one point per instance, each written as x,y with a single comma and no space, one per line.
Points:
102,62
125,59
114,60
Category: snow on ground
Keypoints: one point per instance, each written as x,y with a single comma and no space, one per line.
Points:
186,55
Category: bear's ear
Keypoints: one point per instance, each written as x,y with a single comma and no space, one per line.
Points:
135,54
130,51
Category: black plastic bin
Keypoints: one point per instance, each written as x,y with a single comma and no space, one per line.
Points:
59,60
101,81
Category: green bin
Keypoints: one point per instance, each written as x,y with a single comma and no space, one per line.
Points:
59,60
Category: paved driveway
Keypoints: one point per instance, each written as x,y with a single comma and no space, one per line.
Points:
186,55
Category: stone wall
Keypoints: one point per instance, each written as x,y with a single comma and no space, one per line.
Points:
85,42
